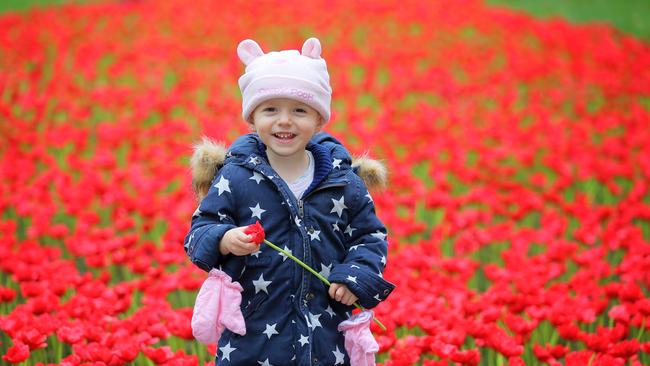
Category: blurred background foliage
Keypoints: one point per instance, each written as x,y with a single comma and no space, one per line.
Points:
629,16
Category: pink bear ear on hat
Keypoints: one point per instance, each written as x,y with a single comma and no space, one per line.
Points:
311,48
248,50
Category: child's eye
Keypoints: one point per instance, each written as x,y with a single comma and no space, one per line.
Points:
269,109
301,110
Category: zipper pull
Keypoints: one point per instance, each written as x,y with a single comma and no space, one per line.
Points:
301,210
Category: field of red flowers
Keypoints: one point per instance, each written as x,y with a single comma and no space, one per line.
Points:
518,204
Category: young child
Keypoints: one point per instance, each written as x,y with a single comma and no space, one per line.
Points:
301,185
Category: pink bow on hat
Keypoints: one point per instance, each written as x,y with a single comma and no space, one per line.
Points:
359,342
217,307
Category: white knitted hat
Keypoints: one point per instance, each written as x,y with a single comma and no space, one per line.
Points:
284,74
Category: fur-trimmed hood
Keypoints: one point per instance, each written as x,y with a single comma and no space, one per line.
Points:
209,156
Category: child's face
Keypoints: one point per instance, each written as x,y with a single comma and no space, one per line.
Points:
285,126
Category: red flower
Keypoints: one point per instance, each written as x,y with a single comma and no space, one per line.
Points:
212,349
126,352
516,361
619,313
645,347
33,338
625,349
569,331
70,334
549,352
256,231
7,294
159,355
578,358
17,353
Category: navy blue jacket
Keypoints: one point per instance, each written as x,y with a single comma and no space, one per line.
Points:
290,319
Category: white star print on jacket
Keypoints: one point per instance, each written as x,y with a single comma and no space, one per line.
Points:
223,185
339,206
226,351
261,285
290,319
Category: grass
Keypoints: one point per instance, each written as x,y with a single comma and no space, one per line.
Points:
22,5
629,16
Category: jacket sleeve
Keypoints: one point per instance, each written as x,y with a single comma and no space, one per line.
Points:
210,221
362,269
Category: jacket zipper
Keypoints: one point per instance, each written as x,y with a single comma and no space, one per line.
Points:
301,214
301,205
301,208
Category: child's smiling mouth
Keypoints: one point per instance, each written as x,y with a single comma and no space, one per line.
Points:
286,136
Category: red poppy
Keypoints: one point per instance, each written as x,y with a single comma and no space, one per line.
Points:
256,231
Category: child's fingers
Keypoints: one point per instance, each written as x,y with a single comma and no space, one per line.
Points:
237,242
332,290
243,241
345,297
349,298
254,248
243,247
342,294
236,249
339,293
247,248
243,237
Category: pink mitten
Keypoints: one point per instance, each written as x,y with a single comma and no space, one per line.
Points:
217,307
359,342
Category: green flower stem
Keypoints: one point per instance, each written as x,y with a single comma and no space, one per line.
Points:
320,277
58,346
641,330
591,359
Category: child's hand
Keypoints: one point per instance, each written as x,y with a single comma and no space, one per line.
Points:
237,242
342,294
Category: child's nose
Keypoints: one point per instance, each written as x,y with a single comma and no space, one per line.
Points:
284,117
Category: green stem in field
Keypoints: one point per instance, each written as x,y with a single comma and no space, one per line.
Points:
59,351
320,277
500,359
591,359
200,351
554,337
638,336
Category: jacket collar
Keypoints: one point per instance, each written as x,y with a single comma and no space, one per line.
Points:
322,164
329,155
